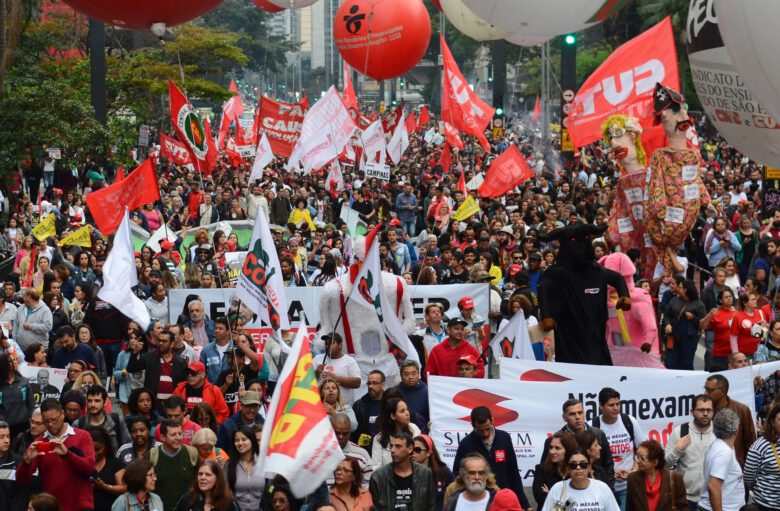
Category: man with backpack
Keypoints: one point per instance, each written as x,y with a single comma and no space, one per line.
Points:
623,434
174,464
98,417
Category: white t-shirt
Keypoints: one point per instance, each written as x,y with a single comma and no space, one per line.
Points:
721,462
345,367
596,497
467,505
621,446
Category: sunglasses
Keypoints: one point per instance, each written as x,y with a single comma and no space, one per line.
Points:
193,373
418,450
575,465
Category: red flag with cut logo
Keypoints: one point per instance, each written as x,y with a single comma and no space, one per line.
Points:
281,123
175,151
624,83
460,106
189,127
445,160
138,188
537,112
424,117
506,171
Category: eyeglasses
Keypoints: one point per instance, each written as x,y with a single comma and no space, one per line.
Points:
52,421
418,450
152,475
575,465
703,410
641,457
711,389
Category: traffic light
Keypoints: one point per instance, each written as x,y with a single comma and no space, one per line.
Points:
394,102
490,78
499,111
570,39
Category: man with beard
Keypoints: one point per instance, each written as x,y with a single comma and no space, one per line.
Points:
475,494
688,444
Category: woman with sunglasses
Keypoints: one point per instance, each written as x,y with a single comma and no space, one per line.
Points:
654,487
425,453
580,492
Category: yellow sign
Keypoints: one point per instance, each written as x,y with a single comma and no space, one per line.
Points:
80,238
497,132
566,143
772,173
468,208
46,228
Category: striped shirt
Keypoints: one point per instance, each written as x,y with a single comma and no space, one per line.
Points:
762,473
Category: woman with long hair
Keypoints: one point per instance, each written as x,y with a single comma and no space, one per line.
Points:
588,441
681,325
394,417
84,335
244,470
43,266
652,486
17,403
425,453
78,307
719,321
25,250
88,379
128,382
209,491
325,273
748,238
140,480
106,481
346,494
580,489
330,393
747,327
762,470
553,469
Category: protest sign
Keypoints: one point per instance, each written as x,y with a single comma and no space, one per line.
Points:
378,170
80,238
46,382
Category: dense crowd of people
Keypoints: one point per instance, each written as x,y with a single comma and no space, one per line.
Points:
170,418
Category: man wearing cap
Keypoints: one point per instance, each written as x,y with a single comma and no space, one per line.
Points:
534,270
196,389
204,259
334,364
247,415
474,332
443,358
506,245
163,370
406,206
236,374
467,367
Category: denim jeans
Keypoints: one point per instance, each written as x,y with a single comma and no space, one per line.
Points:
48,179
409,228
621,498
111,351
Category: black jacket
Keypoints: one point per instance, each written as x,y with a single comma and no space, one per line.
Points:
150,362
541,478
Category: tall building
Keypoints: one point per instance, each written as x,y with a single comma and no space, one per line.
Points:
325,54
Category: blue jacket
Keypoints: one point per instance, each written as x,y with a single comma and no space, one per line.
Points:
214,363
502,459
401,201
124,379
229,427
209,328
716,252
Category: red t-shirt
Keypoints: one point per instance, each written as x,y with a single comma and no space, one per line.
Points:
747,330
165,388
443,359
719,324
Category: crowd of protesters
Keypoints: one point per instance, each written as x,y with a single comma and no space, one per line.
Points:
170,418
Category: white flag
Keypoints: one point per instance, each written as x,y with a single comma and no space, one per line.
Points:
399,141
263,157
327,115
318,150
513,340
298,441
335,180
369,291
120,275
260,285
164,232
373,142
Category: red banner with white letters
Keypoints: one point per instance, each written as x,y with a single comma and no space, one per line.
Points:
281,122
624,83
174,150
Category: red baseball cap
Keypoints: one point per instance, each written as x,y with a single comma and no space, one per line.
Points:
515,268
469,359
166,244
466,303
394,222
197,367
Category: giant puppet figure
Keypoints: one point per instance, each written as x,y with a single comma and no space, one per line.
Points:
627,217
675,191
362,334
573,296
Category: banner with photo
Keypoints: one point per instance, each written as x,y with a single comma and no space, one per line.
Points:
46,382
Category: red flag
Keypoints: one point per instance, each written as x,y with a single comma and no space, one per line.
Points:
423,118
452,136
120,175
243,138
189,127
624,83
138,188
232,151
506,171
233,87
462,183
391,120
211,155
231,111
175,150
445,160
281,123
460,106
411,124
537,112
350,98
40,213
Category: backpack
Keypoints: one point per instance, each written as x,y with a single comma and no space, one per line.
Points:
626,423
154,455
83,424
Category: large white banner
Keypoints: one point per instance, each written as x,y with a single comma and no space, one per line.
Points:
534,370
531,410
303,303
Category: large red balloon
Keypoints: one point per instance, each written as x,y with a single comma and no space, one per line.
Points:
397,33
265,5
141,14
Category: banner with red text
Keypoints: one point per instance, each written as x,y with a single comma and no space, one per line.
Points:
624,83
281,122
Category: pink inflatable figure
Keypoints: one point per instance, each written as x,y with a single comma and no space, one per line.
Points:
642,351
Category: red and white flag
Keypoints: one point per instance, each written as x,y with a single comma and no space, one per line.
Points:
175,151
460,106
452,136
231,150
298,441
506,171
281,122
335,179
231,111
263,156
373,142
328,115
399,142
189,127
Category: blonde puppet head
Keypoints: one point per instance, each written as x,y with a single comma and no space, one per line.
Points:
622,135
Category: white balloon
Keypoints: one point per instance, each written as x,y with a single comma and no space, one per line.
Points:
749,32
528,40
469,23
739,117
292,4
535,18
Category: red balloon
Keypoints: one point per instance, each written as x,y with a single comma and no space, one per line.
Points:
141,14
265,5
398,33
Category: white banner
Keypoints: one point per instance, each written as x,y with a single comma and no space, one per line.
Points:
378,170
328,114
303,303
657,403
373,142
534,370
